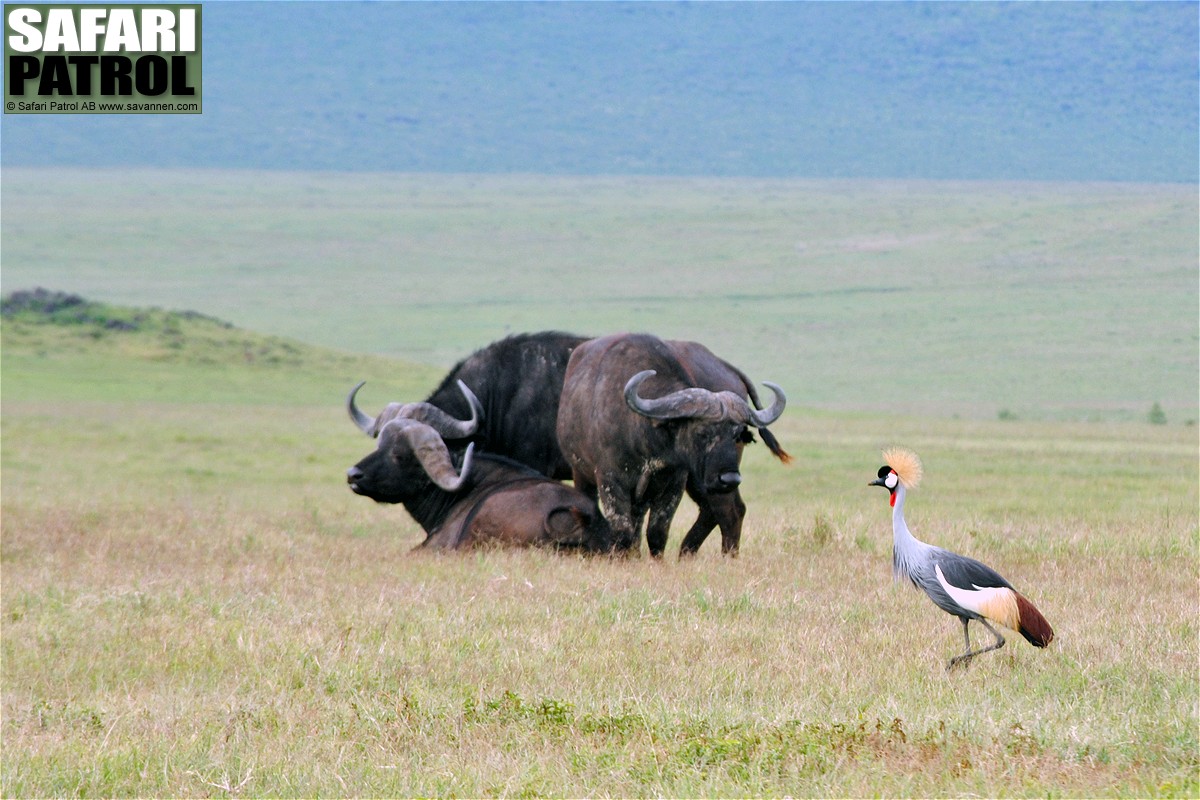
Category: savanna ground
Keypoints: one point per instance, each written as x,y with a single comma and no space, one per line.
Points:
193,604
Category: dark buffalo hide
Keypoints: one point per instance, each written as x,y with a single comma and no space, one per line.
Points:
638,427
518,380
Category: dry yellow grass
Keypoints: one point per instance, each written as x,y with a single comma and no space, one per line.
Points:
195,605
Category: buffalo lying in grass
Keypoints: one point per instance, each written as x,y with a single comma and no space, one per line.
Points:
467,499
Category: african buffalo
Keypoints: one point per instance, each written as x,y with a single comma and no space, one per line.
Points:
637,428
489,499
725,509
518,379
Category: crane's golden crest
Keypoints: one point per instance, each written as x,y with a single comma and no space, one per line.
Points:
905,464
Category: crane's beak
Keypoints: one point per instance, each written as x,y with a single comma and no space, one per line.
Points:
878,482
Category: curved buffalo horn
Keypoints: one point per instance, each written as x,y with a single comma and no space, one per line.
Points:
430,451
439,420
476,410
364,423
761,419
702,404
684,403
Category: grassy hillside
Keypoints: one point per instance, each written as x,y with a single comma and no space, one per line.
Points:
194,604
1042,301
60,345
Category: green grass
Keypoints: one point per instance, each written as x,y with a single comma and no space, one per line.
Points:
1036,301
193,604
98,351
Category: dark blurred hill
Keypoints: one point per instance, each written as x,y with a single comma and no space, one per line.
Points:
1024,91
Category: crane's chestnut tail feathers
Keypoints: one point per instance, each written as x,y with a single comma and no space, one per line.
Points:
1033,626
1003,605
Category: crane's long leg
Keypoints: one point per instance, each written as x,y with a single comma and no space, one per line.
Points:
968,655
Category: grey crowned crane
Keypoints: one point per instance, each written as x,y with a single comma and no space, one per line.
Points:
956,584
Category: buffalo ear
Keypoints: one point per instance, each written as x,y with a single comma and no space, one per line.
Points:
566,526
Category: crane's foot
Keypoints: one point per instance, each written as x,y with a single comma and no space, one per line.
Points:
964,659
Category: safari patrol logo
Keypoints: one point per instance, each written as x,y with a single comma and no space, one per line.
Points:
97,59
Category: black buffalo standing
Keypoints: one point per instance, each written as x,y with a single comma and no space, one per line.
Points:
488,500
638,428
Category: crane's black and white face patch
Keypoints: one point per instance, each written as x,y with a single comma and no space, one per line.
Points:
888,477
889,480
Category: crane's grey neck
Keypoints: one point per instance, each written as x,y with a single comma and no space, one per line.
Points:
908,552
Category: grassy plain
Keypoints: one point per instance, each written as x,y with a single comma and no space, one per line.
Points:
1045,301
193,604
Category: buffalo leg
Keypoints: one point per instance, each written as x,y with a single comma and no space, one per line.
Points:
625,523
600,536
702,527
658,526
726,510
730,511
584,484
